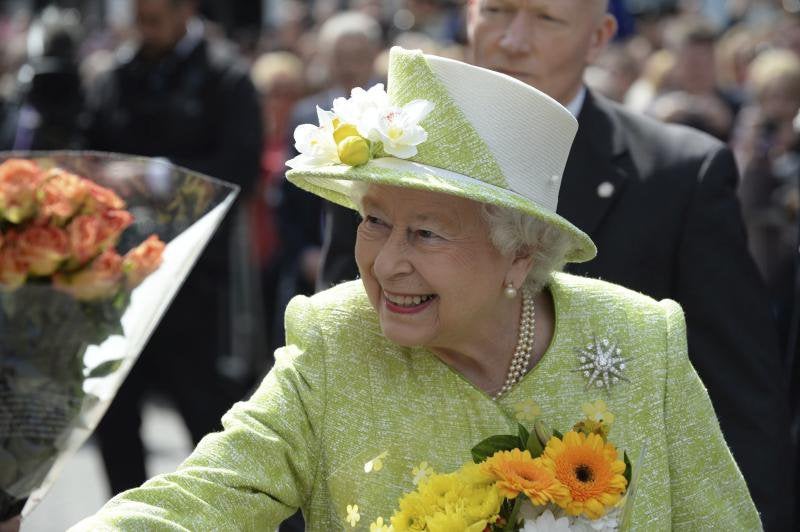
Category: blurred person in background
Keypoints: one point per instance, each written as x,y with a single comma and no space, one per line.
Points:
702,112
45,109
735,49
767,146
349,43
178,95
693,41
278,78
655,80
660,202
614,72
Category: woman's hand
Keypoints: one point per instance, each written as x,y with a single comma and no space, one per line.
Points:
12,525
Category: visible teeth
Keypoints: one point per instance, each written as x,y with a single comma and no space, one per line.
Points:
407,301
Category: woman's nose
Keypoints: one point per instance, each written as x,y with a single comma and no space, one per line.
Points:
393,258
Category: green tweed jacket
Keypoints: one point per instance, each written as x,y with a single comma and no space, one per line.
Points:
346,418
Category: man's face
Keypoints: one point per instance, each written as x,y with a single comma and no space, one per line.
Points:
161,24
544,43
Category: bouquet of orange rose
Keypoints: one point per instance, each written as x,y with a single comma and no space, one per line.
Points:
534,481
85,274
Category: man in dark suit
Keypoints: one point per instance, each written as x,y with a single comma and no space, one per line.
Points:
659,201
181,95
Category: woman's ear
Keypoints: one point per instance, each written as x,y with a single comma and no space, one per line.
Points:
521,264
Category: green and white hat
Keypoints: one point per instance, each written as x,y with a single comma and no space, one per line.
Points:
448,127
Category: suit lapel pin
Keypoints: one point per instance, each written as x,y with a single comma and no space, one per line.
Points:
605,189
602,364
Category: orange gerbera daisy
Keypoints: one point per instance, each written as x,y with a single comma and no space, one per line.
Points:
590,469
518,472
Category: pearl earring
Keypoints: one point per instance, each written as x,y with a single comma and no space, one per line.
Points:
510,292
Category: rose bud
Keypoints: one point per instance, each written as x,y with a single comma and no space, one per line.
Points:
90,234
13,269
100,279
142,260
43,248
112,224
60,196
101,199
19,179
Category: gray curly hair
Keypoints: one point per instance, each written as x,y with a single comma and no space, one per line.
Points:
512,231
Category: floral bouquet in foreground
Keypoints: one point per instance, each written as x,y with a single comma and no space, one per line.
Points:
534,481
85,276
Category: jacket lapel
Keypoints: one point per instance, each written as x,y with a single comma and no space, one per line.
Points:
594,176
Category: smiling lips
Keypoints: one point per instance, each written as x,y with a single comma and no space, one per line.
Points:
407,304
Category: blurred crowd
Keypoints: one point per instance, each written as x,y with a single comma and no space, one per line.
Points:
729,68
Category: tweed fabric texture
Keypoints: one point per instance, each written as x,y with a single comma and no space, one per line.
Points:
453,143
345,416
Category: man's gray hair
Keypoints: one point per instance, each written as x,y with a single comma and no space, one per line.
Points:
512,232
346,24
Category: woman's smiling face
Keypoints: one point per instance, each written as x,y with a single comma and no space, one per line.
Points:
429,267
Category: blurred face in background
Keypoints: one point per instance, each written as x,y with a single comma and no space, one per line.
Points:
161,24
352,61
695,68
544,43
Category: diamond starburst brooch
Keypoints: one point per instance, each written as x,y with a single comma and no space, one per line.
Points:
602,363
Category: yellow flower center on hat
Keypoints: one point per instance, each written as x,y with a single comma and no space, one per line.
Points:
353,151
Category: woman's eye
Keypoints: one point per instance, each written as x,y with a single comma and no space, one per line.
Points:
424,233
371,219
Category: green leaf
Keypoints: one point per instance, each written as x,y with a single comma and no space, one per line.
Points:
534,445
491,445
628,467
523,435
106,368
558,434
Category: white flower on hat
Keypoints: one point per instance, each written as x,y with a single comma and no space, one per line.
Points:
399,129
362,109
315,144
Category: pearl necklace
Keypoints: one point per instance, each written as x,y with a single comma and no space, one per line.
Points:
522,354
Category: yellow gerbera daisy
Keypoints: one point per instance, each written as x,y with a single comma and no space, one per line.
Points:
518,472
590,469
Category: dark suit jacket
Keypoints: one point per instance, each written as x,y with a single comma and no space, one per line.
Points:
660,203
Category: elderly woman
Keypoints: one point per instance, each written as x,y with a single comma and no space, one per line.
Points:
459,329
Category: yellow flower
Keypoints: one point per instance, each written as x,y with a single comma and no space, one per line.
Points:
353,151
379,526
527,411
353,516
598,411
376,464
421,472
342,131
465,500
590,469
518,472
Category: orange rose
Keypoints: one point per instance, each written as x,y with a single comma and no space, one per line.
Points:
101,279
90,234
60,196
101,199
18,181
142,260
43,248
13,269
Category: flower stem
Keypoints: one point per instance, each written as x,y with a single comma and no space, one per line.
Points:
512,519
